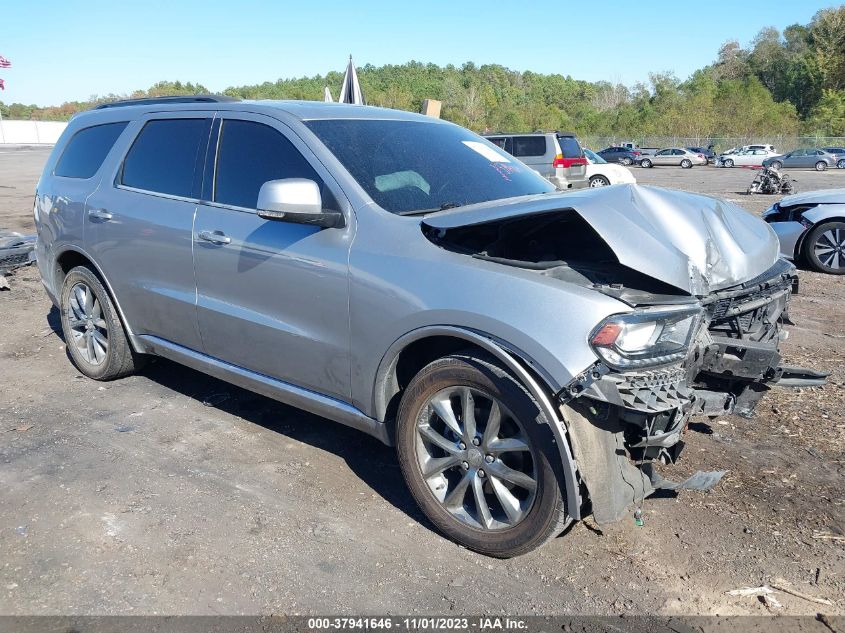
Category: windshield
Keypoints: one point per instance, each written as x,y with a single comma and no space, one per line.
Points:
594,158
411,167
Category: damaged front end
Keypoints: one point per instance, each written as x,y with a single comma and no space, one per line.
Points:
623,418
707,297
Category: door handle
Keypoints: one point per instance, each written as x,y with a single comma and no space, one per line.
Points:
215,237
99,214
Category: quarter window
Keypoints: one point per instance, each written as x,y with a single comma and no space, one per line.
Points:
250,154
87,150
529,146
164,157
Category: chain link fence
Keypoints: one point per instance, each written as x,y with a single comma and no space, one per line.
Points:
781,143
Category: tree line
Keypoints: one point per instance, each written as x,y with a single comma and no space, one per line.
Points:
783,83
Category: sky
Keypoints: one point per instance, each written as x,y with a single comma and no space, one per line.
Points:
64,50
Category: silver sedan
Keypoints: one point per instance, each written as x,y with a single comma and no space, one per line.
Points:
674,156
810,227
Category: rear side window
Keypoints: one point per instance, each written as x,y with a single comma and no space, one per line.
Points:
250,154
529,146
570,148
87,150
164,157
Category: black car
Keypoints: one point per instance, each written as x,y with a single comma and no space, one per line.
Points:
707,152
620,155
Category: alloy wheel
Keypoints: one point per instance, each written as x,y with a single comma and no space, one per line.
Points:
599,181
476,459
830,248
821,166
841,163
88,327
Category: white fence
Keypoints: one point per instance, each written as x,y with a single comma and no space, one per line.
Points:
30,132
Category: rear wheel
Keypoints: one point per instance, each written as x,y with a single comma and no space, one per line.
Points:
94,335
824,248
479,458
645,162
821,165
686,164
599,181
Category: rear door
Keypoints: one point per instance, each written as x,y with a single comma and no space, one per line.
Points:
272,296
140,220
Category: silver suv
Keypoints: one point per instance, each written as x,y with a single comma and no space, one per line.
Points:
557,156
530,354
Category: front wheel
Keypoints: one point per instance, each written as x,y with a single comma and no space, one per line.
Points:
821,165
824,248
479,458
645,162
728,163
627,162
599,181
841,163
776,165
686,164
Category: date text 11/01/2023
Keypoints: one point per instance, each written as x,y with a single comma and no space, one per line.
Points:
417,623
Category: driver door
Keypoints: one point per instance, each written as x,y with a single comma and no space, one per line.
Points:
663,157
272,296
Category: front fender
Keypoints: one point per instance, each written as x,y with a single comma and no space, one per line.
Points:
513,361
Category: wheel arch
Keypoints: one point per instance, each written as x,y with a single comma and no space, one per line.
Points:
417,348
70,258
801,243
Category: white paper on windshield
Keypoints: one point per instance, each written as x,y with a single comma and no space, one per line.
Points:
487,152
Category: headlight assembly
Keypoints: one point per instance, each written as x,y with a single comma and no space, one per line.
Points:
645,337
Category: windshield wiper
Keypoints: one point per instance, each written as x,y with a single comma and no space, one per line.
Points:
442,207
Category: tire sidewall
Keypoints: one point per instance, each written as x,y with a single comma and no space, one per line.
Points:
809,251
729,163
646,163
605,182
821,166
534,529
686,164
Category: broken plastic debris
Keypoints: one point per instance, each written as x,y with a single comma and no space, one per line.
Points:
701,481
21,530
638,517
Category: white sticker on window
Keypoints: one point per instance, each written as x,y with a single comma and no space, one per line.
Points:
487,152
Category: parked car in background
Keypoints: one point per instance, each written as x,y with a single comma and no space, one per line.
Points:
557,156
839,153
642,150
707,152
674,156
623,155
531,354
748,158
811,226
600,173
817,159
748,148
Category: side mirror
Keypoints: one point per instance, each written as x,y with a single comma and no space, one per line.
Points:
296,200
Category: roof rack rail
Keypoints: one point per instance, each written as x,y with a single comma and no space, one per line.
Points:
163,100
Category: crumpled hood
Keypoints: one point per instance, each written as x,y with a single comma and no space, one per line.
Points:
693,242
824,196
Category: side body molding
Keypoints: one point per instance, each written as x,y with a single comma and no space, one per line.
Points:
515,363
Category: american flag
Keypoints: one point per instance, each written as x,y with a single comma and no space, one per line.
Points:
5,63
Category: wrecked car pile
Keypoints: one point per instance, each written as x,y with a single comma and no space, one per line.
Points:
702,340
16,250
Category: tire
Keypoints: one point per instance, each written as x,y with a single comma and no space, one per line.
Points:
821,165
686,164
645,162
94,336
728,163
599,181
422,436
824,248
841,163
627,162
776,164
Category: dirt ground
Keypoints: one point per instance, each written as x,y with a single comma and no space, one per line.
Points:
135,497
